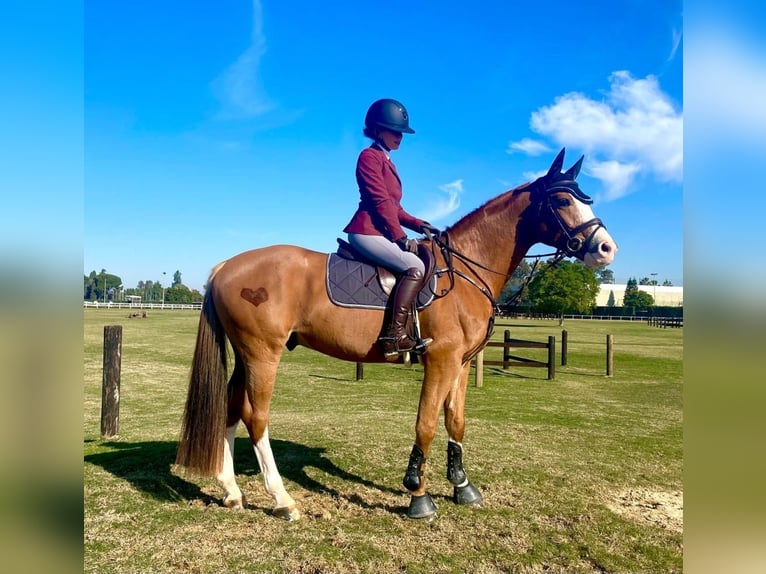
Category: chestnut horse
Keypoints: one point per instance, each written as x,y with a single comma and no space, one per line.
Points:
268,299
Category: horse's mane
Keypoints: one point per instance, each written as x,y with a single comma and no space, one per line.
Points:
497,203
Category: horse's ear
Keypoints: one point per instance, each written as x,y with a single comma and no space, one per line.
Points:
557,164
573,171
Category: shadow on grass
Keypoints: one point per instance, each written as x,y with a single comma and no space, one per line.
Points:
492,370
147,466
541,375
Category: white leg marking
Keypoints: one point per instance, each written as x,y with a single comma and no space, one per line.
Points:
233,497
284,505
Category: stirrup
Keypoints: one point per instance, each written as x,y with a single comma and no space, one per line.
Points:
421,345
391,349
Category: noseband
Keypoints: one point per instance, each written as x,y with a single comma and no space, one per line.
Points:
572,246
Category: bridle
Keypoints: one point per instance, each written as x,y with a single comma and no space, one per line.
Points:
571,246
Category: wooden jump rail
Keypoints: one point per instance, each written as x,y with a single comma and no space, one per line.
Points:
514,360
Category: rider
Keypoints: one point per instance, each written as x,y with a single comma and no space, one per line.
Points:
376,231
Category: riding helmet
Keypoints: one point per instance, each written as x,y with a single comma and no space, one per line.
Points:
389,114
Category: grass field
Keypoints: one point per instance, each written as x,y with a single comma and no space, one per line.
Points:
579,474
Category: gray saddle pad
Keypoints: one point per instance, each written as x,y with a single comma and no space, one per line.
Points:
351,283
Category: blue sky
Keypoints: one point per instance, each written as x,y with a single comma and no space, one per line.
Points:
213,128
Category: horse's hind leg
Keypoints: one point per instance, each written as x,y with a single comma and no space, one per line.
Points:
260,385
233,497
284,505
454,420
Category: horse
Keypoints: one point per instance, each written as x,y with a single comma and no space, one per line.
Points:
266,300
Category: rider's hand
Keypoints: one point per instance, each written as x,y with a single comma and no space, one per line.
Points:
407,245
430,228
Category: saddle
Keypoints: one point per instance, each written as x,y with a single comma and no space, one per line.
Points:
355,281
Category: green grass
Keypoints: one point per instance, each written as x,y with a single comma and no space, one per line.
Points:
579,474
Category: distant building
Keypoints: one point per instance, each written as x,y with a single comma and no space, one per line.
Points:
663,296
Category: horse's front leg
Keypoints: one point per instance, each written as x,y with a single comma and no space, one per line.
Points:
440,377
454,420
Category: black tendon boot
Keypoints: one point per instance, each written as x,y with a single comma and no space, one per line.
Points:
396,340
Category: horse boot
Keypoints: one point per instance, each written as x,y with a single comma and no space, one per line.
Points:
397,340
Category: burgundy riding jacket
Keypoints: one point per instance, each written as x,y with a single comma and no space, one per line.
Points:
380,211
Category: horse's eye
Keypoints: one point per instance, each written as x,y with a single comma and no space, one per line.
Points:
563,202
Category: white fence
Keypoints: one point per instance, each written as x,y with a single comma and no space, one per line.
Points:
548,317
117,305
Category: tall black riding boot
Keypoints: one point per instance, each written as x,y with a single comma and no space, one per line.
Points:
396,340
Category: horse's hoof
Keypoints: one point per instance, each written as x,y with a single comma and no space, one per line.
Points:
467,495
421,507
235,503
289,513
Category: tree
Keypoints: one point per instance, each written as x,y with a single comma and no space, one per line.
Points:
182,294
667,283
647,281
151,291
605,275
630,291
101,287
610,301
565,288
636,299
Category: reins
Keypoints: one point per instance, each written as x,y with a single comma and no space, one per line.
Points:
448,253
573,246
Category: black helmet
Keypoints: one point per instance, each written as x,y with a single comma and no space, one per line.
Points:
389,114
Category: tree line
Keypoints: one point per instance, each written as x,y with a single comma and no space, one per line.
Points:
568,287
107,287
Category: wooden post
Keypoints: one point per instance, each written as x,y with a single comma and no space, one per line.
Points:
609,356
110,386
564,337
480,369
551,357
359,371
506,348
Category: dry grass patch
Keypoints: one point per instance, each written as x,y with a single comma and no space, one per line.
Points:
655,508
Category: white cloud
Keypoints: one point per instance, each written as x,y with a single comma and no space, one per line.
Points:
239,88
445,206
677,36
528,146
616,176
634,129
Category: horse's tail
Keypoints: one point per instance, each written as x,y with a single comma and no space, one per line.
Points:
200,448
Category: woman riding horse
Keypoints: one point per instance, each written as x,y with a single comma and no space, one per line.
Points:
376,231
266,300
